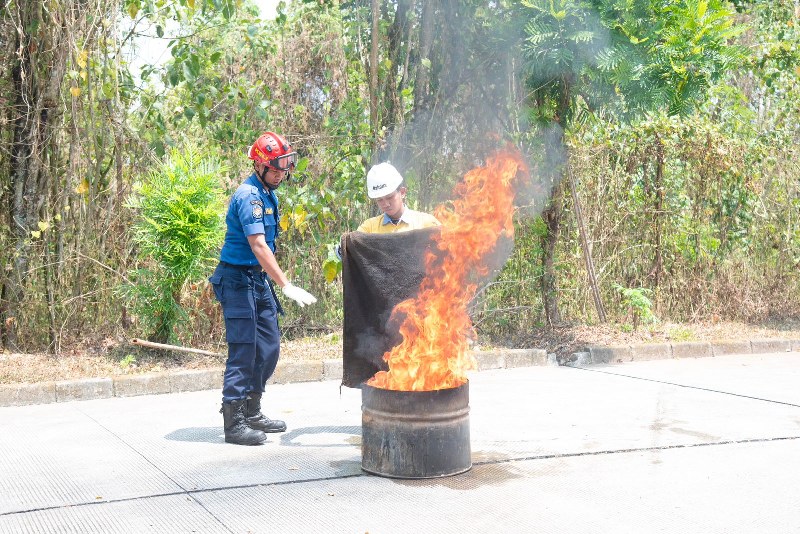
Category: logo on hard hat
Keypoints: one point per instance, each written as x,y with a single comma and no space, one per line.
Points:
381,177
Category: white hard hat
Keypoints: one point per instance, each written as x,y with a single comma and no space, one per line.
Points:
383,179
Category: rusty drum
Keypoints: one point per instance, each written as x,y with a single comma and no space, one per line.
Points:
415,434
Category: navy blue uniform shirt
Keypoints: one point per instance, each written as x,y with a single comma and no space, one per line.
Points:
253,210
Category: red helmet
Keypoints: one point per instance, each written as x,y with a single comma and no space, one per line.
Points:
273,151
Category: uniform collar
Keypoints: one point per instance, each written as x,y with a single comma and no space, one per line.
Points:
253,180
407,217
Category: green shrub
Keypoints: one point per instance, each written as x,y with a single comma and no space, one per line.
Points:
639,305
178,227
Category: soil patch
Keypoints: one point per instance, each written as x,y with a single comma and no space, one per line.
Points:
116,357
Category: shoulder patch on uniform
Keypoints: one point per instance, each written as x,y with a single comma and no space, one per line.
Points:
258,212
259,202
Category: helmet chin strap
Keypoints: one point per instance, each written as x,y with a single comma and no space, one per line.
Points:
263,178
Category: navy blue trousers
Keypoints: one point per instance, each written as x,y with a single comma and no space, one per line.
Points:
251,329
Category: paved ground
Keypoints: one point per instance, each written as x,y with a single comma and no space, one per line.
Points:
709,445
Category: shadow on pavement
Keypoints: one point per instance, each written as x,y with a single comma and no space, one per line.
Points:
205,434
323,436
312,436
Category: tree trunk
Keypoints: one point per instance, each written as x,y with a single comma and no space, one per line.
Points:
555,152
373,70
398,35
51,268
37,74
658,208
552,219
422,76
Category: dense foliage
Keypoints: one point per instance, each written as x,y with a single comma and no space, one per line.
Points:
177,231
662,135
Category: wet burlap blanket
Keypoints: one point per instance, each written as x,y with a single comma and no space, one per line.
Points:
378,272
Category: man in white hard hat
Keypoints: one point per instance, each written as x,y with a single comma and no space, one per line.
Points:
385,187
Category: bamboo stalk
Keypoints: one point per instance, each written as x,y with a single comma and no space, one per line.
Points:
587,253
153,345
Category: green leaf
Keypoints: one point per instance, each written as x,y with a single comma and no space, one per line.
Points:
159,148
701,9
331,269
133,9
187,72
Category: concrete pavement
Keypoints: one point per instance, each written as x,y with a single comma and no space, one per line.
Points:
707,445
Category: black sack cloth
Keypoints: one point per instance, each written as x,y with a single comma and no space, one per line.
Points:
378,272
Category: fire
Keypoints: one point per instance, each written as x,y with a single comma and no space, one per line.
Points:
433,353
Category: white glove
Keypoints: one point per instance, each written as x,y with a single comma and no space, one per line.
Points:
298,294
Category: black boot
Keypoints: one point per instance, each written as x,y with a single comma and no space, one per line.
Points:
236,429
256,419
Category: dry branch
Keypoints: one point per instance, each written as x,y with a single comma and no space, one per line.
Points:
164,346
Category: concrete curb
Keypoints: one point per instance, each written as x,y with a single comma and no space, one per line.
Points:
204,379
331,369
688,349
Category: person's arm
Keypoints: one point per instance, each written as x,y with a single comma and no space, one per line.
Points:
270,265
267,259
250,209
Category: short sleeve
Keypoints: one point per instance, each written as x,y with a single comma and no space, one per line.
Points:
250,210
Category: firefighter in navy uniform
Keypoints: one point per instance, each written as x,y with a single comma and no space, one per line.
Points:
243,284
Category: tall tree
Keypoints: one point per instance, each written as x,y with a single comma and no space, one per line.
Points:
620,57
42,45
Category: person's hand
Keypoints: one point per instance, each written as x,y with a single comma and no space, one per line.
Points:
298,294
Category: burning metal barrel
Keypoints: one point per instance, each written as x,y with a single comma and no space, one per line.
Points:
415,434
415,411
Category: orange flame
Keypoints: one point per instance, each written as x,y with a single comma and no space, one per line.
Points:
433,353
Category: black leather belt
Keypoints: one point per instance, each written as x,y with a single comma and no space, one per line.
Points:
255,268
